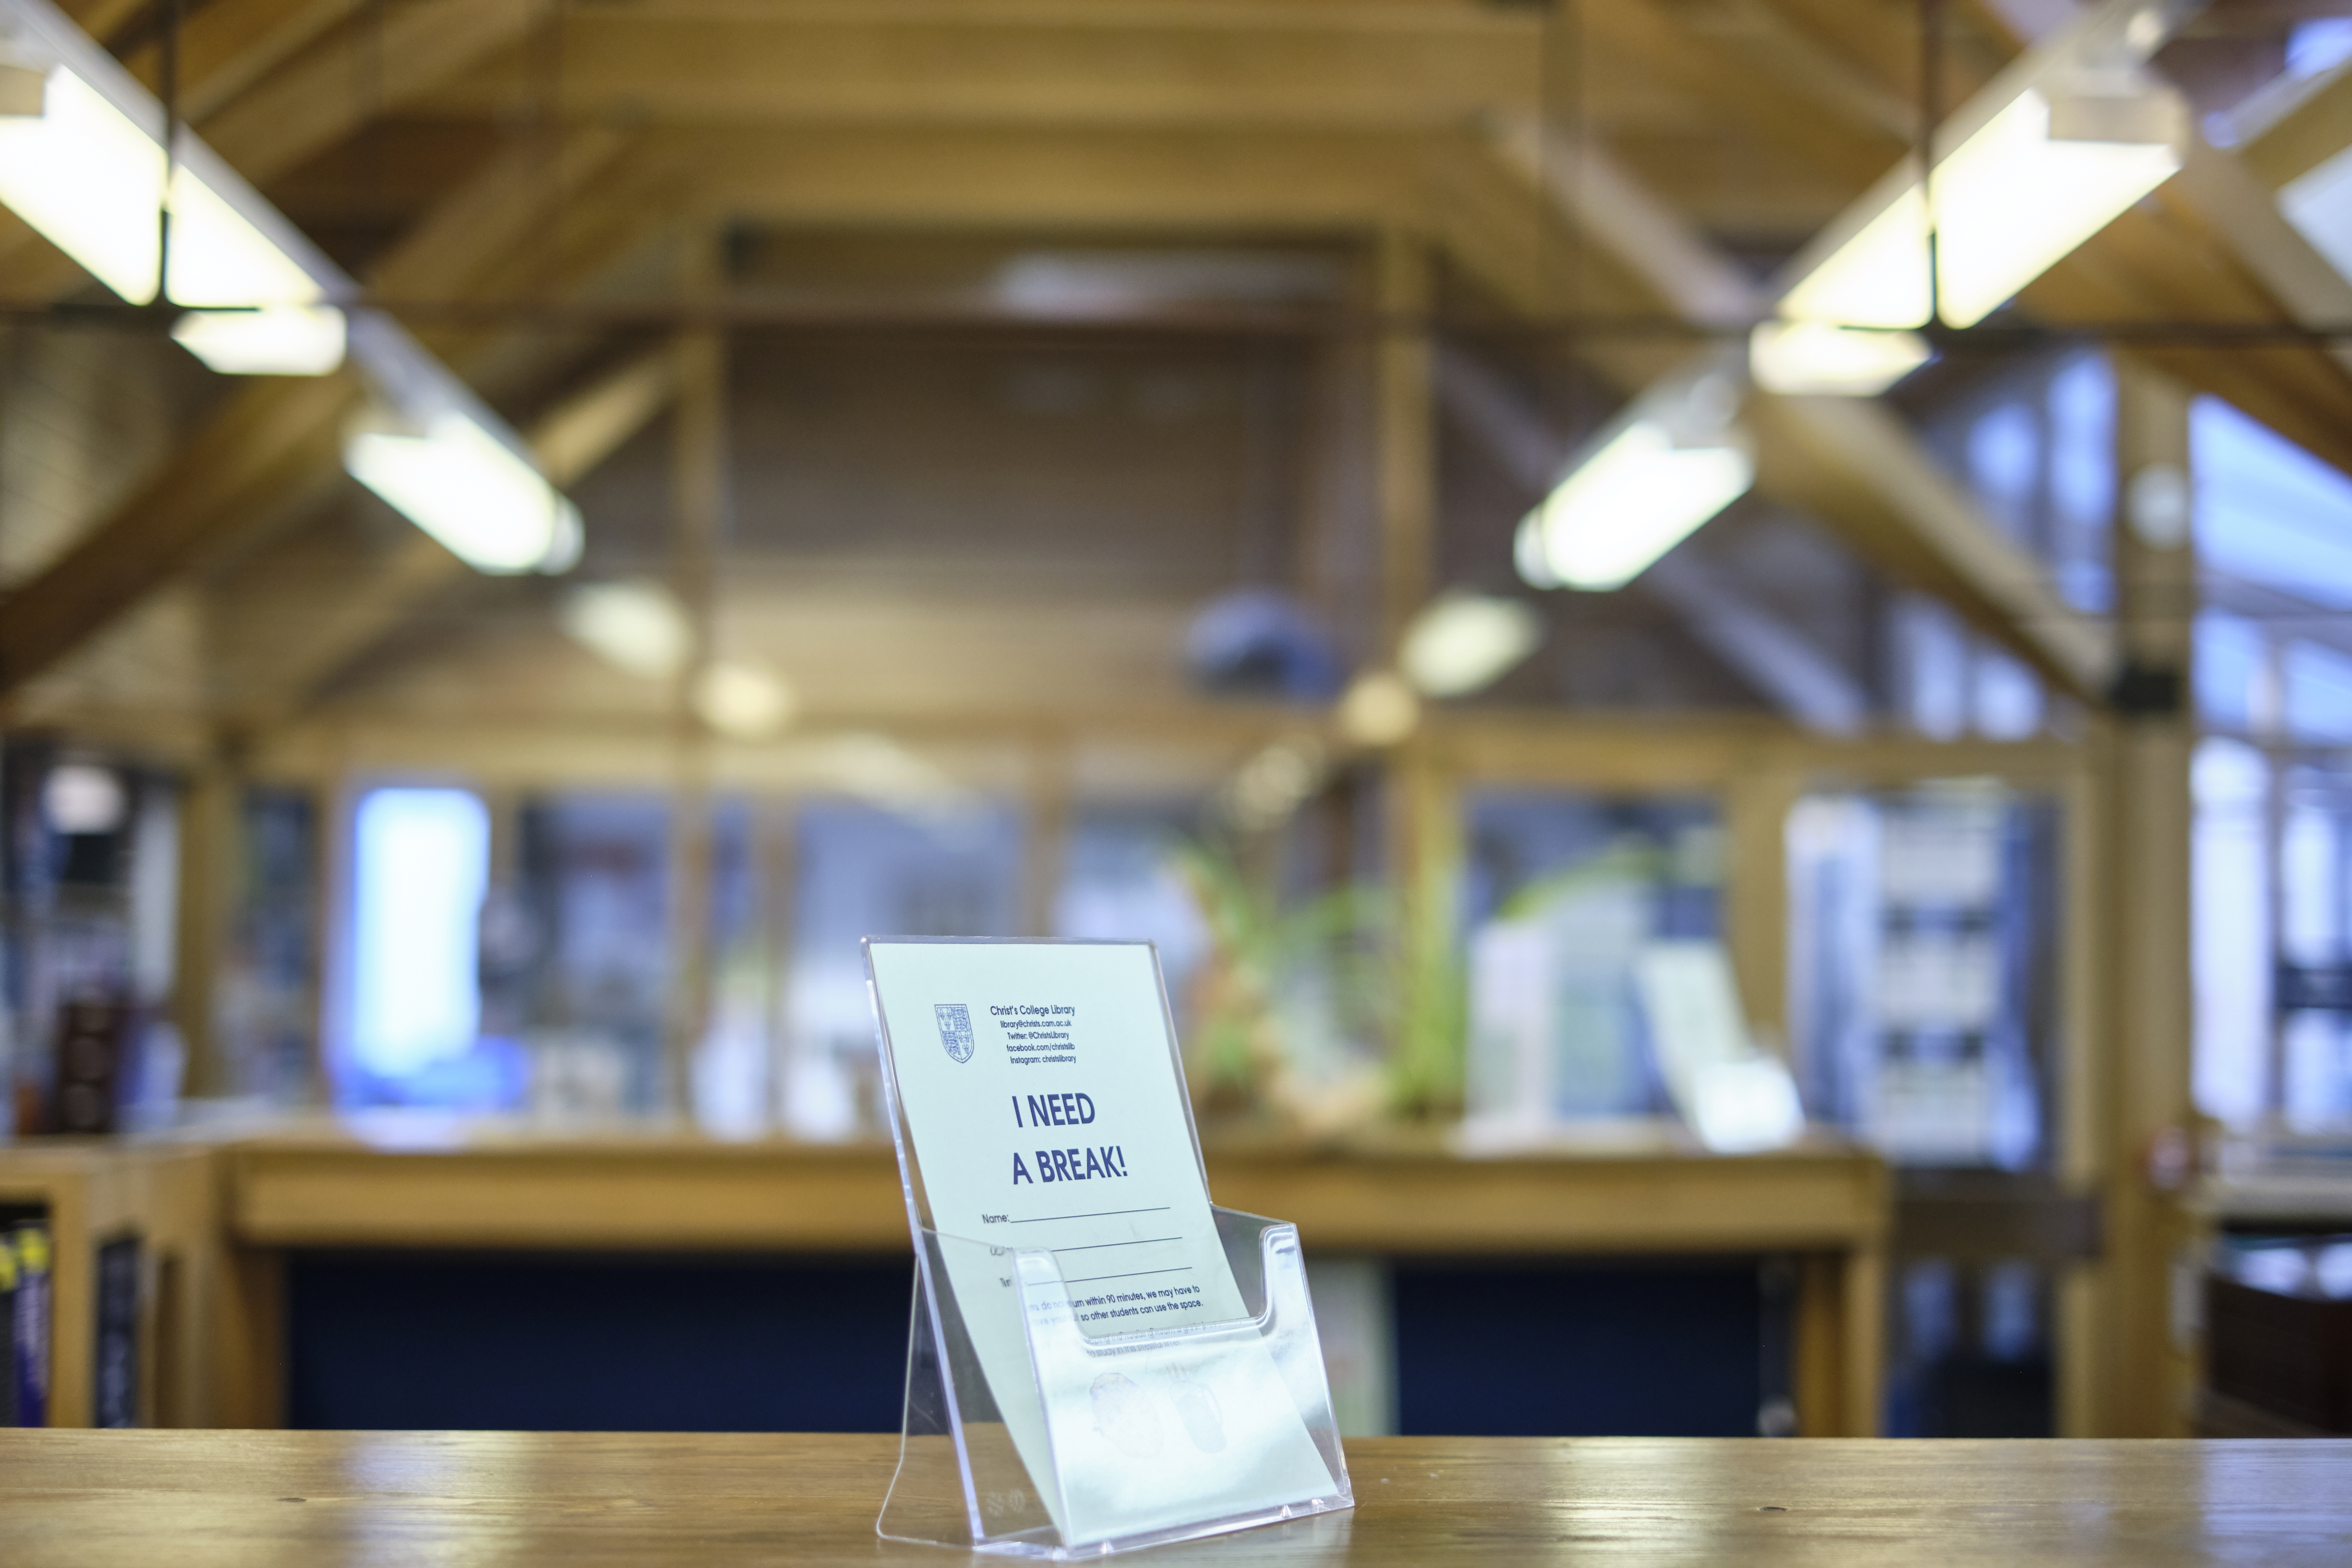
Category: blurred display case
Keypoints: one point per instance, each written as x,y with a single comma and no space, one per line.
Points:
1923,1001
89,870
1924,1006
1562,892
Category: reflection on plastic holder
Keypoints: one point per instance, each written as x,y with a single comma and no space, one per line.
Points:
1209,1409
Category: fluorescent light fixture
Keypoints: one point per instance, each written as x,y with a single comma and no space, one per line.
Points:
81,161
742,701
280,340
1463,642
1667,465
1814,357
89,178
470,491
2048,154
1377,710
635,626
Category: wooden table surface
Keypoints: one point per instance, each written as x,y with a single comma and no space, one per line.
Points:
99,1499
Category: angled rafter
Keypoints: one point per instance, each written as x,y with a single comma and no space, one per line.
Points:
1851,463
2315,127
312,103
266,445
275,441
1716,71
227,49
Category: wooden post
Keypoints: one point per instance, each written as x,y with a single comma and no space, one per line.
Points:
698,486
1756,807
2078,1308
210,871
776,834
1406,451
2146,1084
1422,810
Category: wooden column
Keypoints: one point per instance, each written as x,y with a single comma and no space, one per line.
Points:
1406,451
1423,807
698,505
2085,998
776,832
2144,1092
210,871
1756,807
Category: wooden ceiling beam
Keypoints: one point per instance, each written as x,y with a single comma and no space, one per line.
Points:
2316,128
748,67
1720,79
1853,464
272,439
228,46
948,177
368,67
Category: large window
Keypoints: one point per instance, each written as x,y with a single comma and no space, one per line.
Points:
2273,689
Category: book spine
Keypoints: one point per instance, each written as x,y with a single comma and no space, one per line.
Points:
30,1244
116,1396
8,1334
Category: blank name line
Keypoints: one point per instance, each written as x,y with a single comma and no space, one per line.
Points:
1137,1274
1098,1245
1104,1214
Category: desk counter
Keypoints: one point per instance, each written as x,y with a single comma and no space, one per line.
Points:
403,1182
243,1500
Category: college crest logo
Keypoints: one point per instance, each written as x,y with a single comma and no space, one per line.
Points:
955,1028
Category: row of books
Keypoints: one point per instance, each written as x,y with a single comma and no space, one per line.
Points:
25,1311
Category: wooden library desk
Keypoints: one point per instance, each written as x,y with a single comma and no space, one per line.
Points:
131,1500
390,1183
221,1215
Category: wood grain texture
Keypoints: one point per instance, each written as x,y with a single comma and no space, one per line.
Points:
256,1500
1402,1197
484,1190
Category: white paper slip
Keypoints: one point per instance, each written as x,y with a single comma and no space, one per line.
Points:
1040,1107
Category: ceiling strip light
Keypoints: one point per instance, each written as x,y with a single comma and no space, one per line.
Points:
81,161
1670,461
2047,155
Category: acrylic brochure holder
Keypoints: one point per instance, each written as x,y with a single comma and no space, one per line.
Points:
961,1482
1060,1411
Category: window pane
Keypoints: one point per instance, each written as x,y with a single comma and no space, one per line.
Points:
421,862
2230,937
